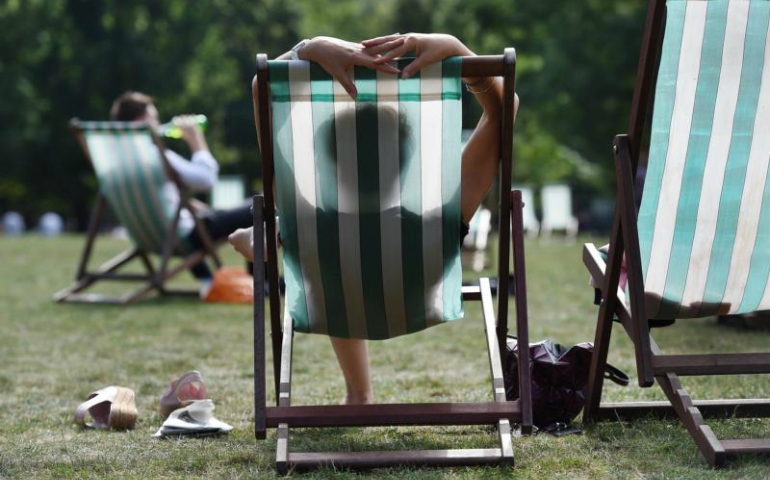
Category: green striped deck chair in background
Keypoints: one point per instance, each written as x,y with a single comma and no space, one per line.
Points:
368,196
132,171
698,246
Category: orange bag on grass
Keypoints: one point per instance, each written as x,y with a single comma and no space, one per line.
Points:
231,285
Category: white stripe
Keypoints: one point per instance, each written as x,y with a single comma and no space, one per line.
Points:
679,135
753,191
719,149
305,194
431,105
347,201
390,203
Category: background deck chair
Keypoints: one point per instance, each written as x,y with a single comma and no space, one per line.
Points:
229,191
699,247
529,217
476,242
556,202
361,275
131,170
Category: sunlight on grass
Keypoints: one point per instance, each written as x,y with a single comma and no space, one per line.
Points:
54,355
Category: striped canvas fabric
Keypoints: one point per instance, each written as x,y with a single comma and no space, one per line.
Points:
704,223
131,177
368,196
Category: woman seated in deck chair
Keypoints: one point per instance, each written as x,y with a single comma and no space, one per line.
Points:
479,158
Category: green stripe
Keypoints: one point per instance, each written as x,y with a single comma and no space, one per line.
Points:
661,126
411,207
450,187
365,98
760,258
123,183
327,220
146,156
98,144
695,160
285,195
369,202
737,160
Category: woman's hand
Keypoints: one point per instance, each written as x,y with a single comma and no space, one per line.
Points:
428,48
338,57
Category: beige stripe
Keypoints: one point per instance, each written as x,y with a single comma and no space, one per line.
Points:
687,81
431,85
305,194
347,201
390,203
719,149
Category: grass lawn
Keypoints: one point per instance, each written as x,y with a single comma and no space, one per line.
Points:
53,355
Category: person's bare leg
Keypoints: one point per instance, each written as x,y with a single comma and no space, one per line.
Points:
353,357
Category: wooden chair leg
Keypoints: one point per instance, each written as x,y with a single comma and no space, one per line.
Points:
522,314
260,394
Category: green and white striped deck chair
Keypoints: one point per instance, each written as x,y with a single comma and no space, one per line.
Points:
132,172
700,245
368,196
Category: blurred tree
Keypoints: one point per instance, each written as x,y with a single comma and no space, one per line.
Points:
72,58
63,58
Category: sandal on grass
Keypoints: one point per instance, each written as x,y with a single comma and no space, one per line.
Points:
195,419
181,392
111,407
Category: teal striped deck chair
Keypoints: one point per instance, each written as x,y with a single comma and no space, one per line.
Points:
368,197
698,246
132,171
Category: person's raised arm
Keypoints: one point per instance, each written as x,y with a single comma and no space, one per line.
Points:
338,57
482,153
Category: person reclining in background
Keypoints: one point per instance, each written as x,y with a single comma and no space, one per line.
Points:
480,157
198,174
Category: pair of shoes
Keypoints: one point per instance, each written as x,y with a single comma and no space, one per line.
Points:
111,407
181,392
195,419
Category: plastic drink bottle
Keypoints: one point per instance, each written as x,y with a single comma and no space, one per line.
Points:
169,130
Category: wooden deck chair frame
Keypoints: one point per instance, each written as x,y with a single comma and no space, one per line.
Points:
499,412
652,364
154,278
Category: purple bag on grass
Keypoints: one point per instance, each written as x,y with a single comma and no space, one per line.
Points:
559,376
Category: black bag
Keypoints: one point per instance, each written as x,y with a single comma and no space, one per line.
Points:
559,376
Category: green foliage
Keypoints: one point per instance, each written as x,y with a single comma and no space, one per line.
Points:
66,58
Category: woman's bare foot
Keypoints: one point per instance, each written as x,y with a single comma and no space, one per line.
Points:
243,242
